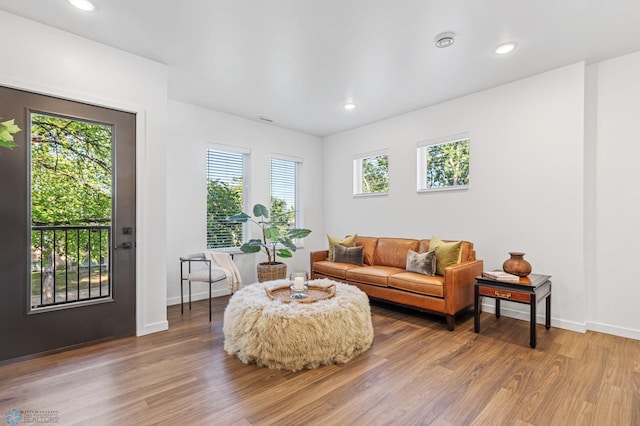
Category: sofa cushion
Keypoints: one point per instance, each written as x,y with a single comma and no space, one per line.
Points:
421,263
375,275
447,254
417,283
369,244
423,246
348,254
393,252
467,253
349,241
333,269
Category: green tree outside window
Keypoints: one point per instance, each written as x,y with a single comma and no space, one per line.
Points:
375,174
223,200
448,164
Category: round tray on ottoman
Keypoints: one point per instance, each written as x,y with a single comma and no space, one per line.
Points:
313,293
295,336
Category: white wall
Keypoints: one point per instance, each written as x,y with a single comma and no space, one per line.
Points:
614,101
45,60
191,130
547,174
526,181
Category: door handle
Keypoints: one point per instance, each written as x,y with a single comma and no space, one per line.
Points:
125,245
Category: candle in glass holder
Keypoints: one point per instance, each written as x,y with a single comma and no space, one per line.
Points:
298,283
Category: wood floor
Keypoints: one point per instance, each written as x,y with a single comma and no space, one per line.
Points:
416,372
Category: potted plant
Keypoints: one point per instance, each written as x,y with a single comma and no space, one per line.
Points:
277,241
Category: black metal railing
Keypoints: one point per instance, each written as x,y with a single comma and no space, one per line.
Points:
70,264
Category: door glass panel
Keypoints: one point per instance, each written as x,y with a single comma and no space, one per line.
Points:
71,211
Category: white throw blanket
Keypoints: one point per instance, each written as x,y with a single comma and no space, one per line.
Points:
224,262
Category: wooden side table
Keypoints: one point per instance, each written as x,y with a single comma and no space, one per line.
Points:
530,290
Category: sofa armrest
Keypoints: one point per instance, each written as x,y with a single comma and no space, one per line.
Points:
317,256
458,285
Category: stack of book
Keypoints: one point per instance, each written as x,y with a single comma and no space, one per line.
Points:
501,276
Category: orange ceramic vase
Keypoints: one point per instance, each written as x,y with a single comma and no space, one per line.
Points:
516,265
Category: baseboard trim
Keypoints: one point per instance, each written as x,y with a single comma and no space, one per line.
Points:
198,296
629,333
614,330
152,328
521,315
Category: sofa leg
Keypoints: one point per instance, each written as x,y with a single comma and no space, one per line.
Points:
451,322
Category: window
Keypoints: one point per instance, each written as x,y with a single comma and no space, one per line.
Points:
71,163
285,190
443,164
226,196
371,173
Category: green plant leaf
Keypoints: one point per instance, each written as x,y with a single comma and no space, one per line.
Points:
7,129
11,126
298,233
288,243
6,143
271,234
240,217
251,246
260,210
284,253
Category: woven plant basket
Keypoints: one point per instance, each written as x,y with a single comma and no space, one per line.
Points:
271,271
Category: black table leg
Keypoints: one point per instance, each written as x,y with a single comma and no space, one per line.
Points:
497,308
532,337
476,304
547,320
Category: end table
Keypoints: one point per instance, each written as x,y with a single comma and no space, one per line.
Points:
530,290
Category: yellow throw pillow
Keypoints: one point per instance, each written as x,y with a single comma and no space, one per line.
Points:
447,254
347,242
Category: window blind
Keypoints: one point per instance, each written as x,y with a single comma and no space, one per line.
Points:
225,197
284,189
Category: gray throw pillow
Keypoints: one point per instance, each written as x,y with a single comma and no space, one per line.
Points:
348,254
421,263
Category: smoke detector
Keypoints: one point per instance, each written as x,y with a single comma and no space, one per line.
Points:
445,39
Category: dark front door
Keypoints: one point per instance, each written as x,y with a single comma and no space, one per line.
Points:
67,224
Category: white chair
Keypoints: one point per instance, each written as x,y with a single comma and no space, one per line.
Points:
205,275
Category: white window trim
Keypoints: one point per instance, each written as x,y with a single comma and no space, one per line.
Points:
287,157
421,165
357,173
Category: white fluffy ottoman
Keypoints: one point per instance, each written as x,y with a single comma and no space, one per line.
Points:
294,336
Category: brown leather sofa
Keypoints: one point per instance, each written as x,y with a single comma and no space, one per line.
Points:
383,276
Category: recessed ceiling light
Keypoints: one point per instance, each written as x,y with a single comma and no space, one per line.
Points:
445,39
505,48
85,5
349,105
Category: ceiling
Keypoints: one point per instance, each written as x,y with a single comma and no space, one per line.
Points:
296,62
